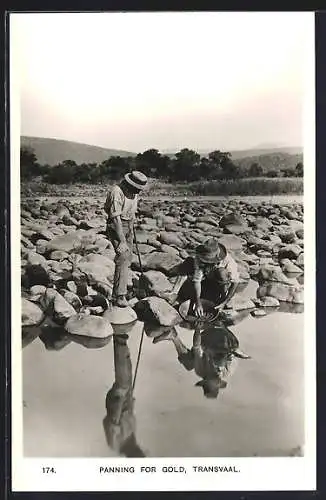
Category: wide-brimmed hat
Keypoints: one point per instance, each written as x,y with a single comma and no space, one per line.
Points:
211,387
136,179
211,251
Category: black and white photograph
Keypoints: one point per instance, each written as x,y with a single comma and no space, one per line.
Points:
162,224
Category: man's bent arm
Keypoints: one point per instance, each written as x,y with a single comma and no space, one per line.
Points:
117,224
230,294
197,287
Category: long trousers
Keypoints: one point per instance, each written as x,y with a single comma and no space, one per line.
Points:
122,260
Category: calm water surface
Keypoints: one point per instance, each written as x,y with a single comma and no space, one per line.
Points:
260,412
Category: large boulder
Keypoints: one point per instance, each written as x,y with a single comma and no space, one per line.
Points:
84,328
171,238
270,273
155,282
67,242
157,311
61,309
145,249
159,261
262,223
232,242
286,234
120,315
282,292
37,275
97,268
36,259
290,252
232,219
31,314
239,303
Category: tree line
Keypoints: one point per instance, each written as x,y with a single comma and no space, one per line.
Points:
185,165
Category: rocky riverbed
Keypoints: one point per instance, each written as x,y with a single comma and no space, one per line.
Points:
67,262
67,269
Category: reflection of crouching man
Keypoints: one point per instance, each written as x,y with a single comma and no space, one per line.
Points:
210,357
212,274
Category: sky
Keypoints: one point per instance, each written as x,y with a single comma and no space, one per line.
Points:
134,81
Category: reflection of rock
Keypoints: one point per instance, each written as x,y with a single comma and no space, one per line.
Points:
29,334
154,331
158,311
231,317
287,307
54,338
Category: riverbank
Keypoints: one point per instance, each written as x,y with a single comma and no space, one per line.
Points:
238,187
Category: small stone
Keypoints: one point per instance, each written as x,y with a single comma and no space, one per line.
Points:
257,313
267,302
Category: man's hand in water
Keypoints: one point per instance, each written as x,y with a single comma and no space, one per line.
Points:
199,311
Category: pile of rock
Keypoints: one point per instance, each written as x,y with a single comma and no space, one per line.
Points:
68,263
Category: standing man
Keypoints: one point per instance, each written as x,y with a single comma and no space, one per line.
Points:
121,206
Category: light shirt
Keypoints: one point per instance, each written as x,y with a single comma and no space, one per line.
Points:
228,264
117,204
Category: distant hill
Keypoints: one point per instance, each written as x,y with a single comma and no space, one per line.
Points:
53,151
266,151
236,154
271,161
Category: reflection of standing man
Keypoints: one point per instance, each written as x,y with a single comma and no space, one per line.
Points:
120,423
121,207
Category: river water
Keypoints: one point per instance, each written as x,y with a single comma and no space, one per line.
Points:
259,413
277,199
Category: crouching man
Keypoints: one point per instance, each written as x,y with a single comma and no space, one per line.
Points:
212,274
121,206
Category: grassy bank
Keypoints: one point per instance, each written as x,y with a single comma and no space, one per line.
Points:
238,187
